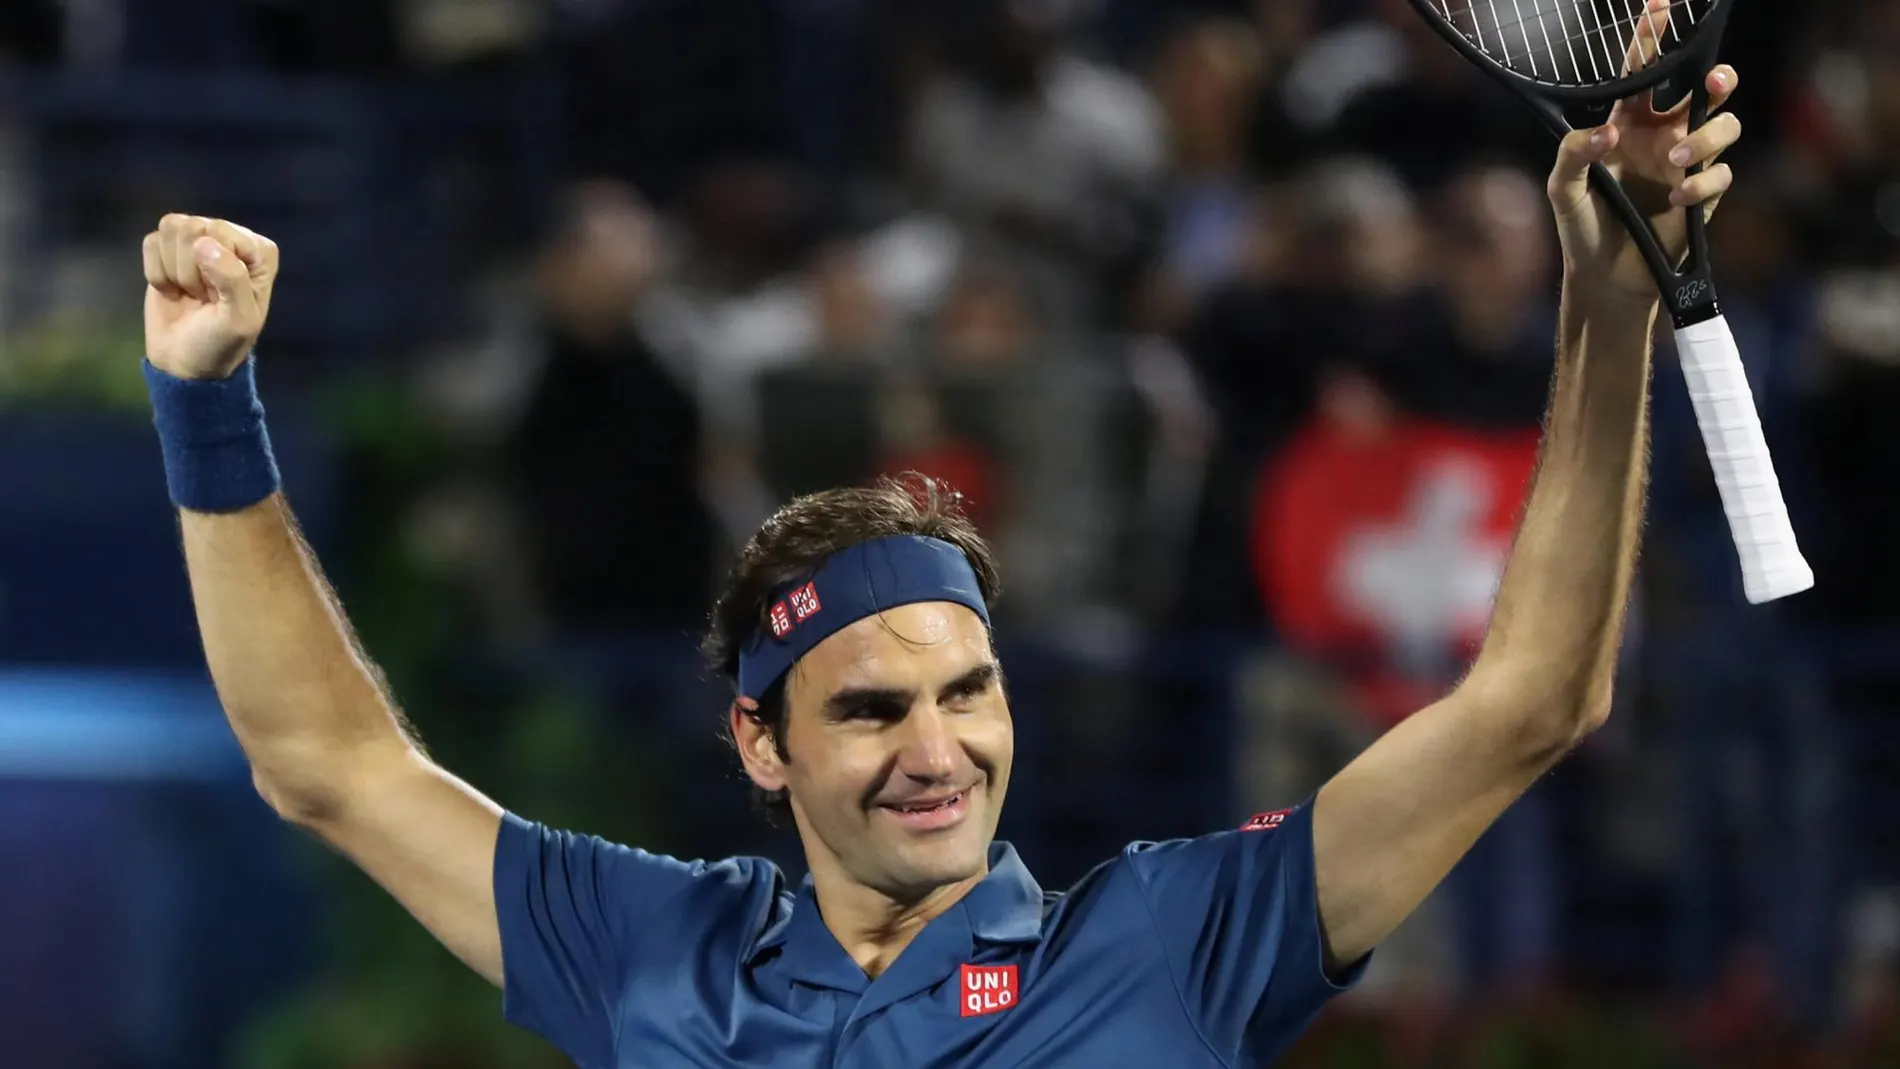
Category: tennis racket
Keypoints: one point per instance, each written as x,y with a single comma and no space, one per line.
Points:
1572,61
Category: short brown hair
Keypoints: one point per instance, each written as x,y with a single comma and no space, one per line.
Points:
797,540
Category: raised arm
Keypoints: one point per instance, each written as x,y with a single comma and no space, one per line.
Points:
1392,825
328,749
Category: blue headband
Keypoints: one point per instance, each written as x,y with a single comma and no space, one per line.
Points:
854,583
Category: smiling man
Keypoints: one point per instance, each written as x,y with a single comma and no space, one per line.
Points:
869,706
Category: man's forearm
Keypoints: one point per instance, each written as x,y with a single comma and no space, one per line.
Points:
305,703
1558,621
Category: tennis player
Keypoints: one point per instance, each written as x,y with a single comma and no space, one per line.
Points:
868,704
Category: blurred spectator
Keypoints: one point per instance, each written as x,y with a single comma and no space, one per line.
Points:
1051,163
610,439
1365,235
985,320
916,437
1286,119
1328,67
1331,279
1855,234
1425,110
780,326
751,221
1481,356
1206,80
854,321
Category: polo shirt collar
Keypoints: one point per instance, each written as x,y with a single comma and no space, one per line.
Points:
1006,907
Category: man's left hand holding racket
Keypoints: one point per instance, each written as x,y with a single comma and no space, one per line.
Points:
1650,154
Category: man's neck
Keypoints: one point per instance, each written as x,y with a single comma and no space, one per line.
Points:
873,927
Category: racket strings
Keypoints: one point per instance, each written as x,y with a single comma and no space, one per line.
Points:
1572,42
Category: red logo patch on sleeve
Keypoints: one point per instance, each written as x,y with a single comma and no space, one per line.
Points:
985,989
781,621
1266,821
804,602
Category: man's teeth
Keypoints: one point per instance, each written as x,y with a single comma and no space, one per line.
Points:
928,808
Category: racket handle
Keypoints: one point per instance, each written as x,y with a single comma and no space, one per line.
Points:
1772,565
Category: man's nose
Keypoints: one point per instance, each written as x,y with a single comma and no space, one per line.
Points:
930,749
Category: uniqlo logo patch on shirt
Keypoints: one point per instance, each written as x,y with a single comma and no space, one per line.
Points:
986,989
1266,821
781,620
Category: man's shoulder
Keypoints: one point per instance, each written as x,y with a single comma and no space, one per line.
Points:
1109,888
740,871
661,879
1266,832
1121,894
1139,856
730,902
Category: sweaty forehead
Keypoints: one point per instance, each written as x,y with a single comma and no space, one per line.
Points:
910,645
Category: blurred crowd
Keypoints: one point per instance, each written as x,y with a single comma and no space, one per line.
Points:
1229,319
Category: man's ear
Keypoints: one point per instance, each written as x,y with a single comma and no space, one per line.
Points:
757,748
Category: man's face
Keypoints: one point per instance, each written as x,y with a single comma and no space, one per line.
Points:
900,742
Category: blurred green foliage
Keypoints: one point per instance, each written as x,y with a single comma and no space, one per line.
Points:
85,361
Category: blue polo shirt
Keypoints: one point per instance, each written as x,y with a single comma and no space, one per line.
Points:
1191,953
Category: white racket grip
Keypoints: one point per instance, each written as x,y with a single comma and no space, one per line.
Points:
1772,565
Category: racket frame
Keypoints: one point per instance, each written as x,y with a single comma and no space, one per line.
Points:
1688,287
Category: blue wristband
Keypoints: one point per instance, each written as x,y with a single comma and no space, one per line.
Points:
211,431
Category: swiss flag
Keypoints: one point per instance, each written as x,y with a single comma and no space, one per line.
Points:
1361,538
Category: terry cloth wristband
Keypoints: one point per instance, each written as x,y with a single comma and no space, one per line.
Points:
863,580
211,431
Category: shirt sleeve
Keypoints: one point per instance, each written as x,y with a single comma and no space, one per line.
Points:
1238,917
576,913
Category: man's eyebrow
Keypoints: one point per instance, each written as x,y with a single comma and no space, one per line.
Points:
852,699
976,678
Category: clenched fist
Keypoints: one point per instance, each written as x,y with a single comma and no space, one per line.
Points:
208,285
